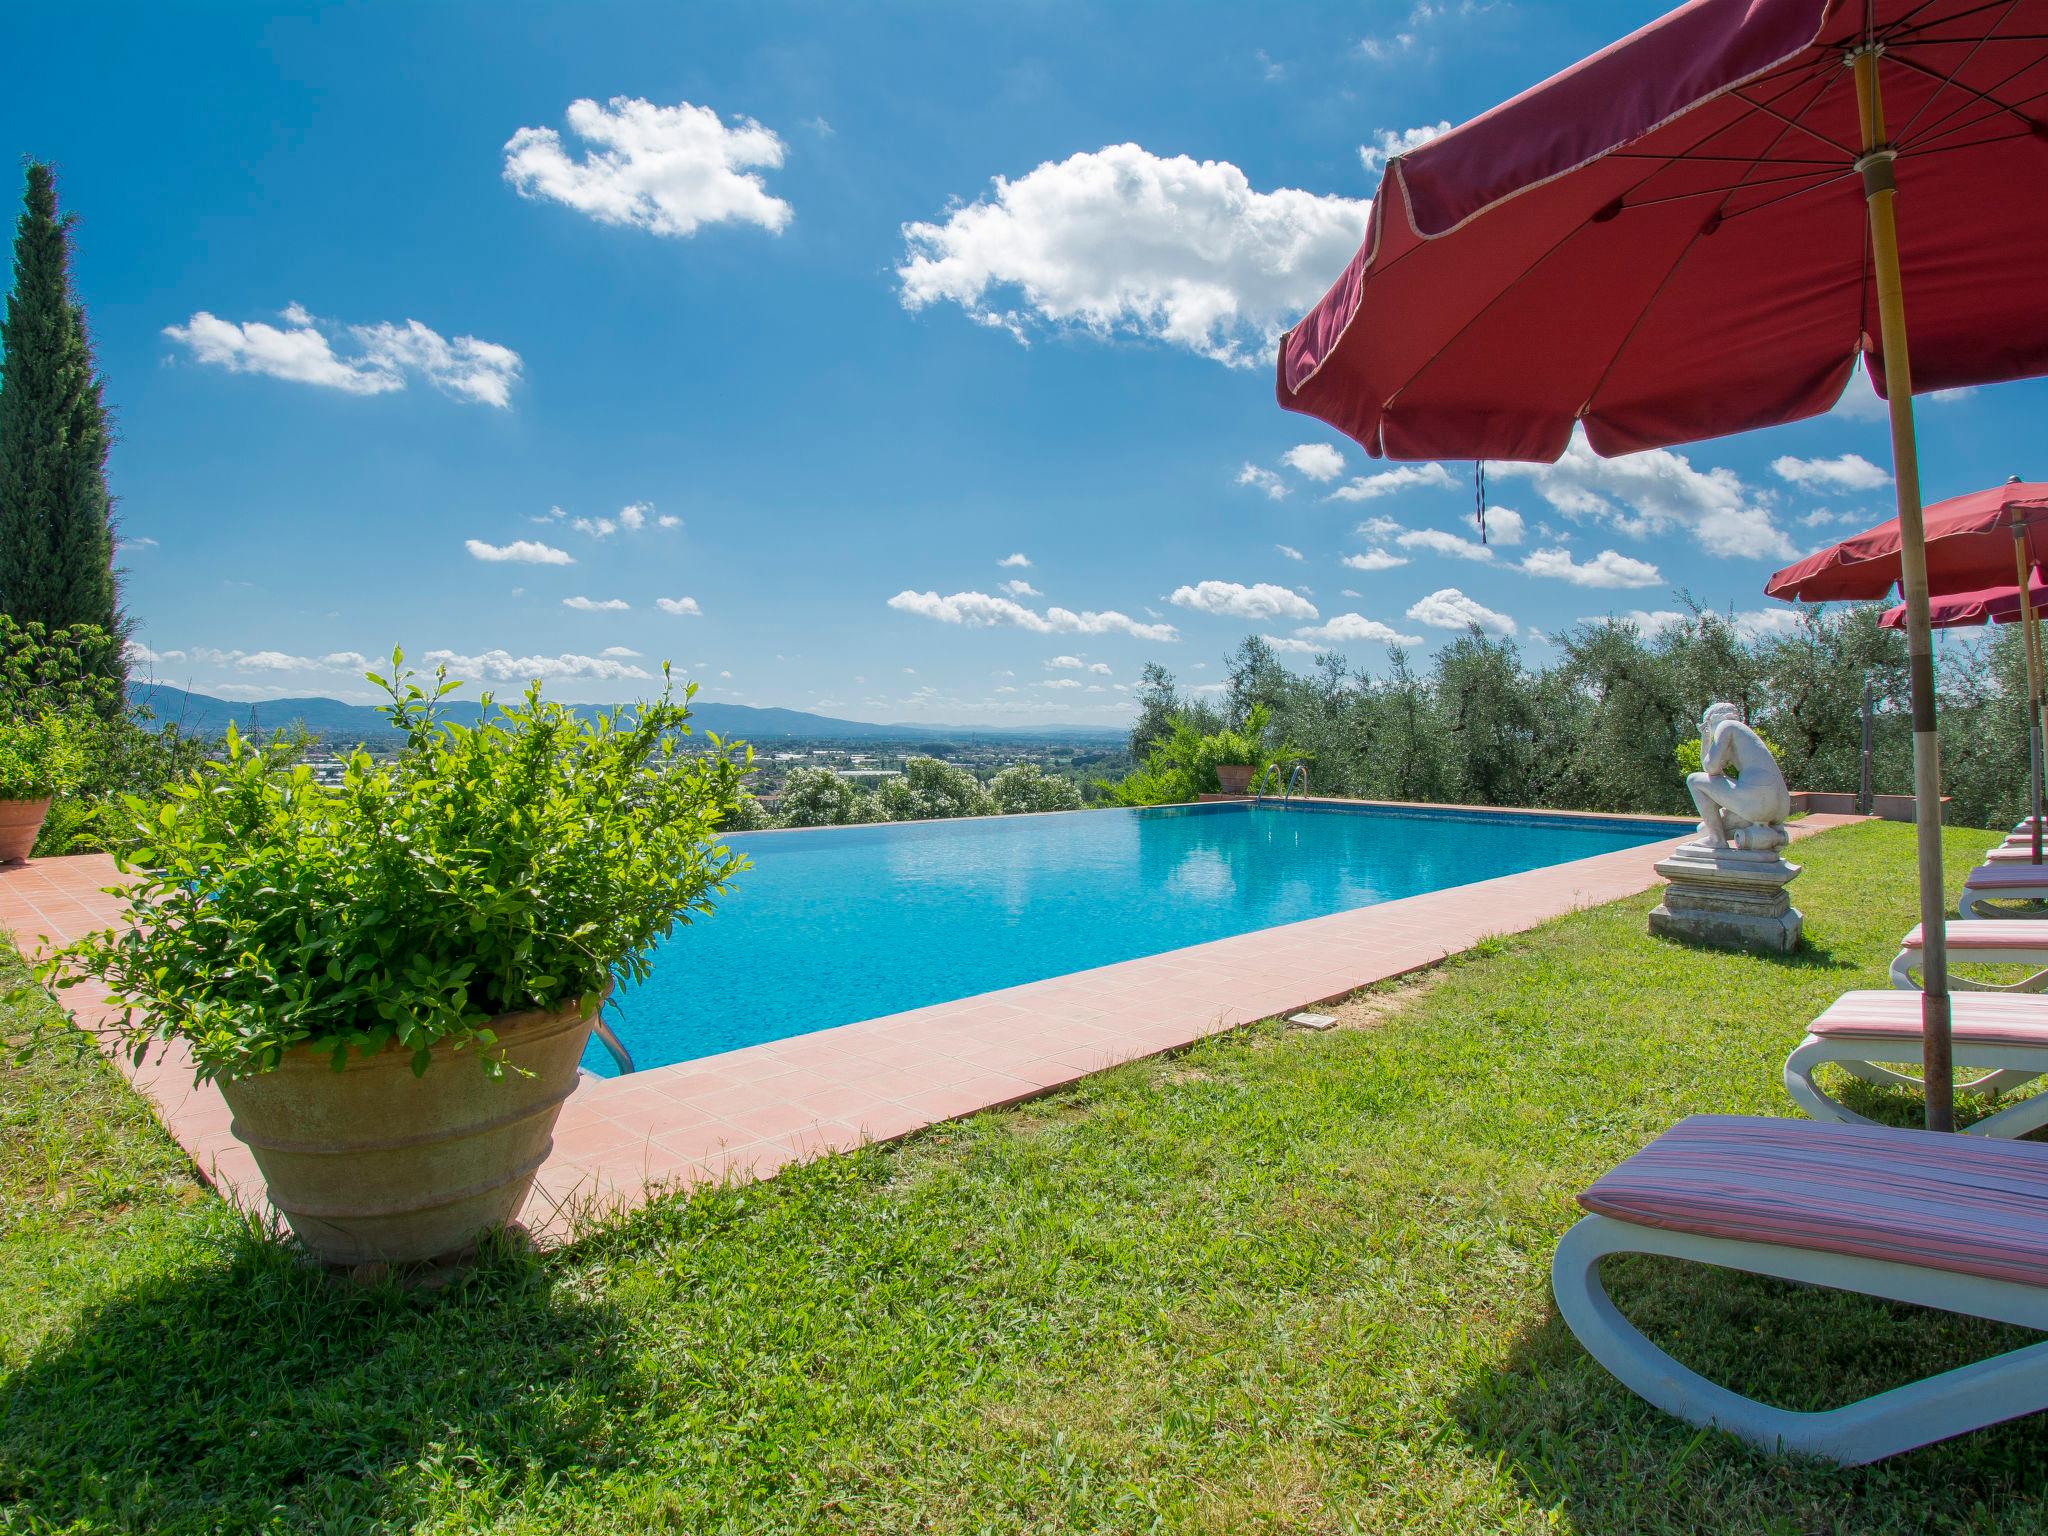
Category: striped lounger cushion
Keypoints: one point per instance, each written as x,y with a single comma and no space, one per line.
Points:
1961,1204
1976,1018
1989,933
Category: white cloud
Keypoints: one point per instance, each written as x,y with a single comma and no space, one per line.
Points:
1448,608
671,170
1120,241
125,543
1606,569
1389,142
1504,526
1021,588
596,605
1824,517
140,654
1849,472
1067,663
1650,623
1657,491
978,610
519,552
502,666
268,660
385,356
1375,560
466,368
1345,628
1767,623
596,527
1289,645
1401,477
1016,560
635,515
1061,682
1411,37
1230,599
1264,479
620,650
1318,461
1289,551
668,520
301,354
680,606
1442,543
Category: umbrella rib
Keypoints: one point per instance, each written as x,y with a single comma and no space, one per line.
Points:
1924,153
1949,79
1832,173
1946,81
1999,108
1903,27
1688,158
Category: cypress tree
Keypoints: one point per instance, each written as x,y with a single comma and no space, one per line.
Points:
56,520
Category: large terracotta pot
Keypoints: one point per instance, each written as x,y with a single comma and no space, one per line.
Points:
1233,778
371,1163
20,821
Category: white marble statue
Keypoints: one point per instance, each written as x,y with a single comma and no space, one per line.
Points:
1742,796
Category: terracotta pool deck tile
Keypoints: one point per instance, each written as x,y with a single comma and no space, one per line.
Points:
594,1139
745,1113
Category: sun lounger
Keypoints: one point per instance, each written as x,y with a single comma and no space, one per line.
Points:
2005,1033
2003,882
1953,1222
1983,941
2015,851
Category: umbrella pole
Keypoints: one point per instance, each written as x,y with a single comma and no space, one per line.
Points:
1875,166
2030,637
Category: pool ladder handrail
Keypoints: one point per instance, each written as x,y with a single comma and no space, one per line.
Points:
1301,773
620,1055
1259,789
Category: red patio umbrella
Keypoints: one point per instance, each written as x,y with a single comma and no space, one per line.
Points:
2007,604
1990,605
1978,541
1692,233
1979,547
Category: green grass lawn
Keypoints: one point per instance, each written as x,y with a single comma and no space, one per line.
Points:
1279,1282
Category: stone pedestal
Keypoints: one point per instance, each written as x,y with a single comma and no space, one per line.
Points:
1728,898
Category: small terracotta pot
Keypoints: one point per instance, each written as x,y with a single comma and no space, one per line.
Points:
371,1163
20,822
1234,778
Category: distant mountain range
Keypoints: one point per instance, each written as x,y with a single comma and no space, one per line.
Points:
203,715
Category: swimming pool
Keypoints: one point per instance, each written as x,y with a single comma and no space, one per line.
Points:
839,924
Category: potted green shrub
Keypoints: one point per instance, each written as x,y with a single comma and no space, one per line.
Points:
38,758
393,981
1235,755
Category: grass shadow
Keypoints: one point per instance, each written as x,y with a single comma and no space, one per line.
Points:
1578,1441
1809,956
1906,1108
252,1389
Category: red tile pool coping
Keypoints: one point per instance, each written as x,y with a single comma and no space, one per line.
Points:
747,1113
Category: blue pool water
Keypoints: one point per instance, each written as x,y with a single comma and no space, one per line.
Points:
847,923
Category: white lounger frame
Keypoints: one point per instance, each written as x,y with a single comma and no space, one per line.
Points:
1953,1403
2012,1066
1975,897
1904,963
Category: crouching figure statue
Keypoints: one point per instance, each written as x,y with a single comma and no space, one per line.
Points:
1741,794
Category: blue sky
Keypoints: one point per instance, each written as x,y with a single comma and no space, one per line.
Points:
722,319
